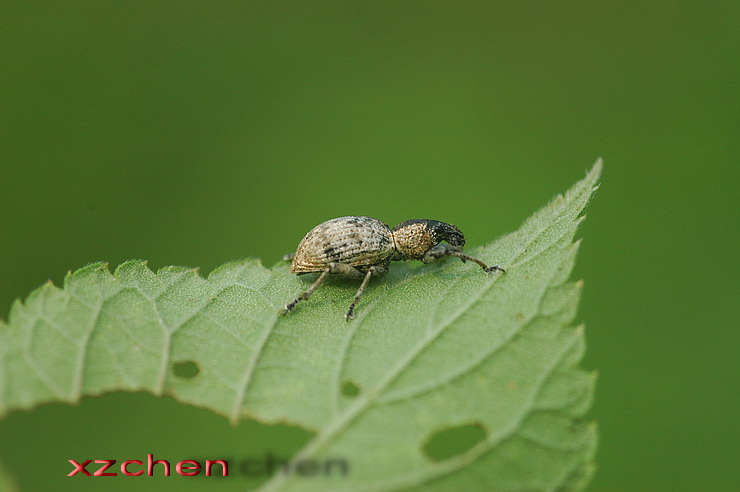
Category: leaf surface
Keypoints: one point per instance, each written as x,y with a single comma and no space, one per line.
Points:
432,348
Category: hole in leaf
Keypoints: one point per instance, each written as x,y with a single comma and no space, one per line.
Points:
185,369
350,389
446,443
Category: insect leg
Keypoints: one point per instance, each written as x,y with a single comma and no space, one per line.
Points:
372,271
337,268
444,250
289,307
486,268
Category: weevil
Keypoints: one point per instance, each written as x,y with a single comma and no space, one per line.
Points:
363,247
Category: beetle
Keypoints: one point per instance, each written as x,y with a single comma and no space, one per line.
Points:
363,247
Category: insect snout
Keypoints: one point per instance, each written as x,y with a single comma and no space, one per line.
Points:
449,233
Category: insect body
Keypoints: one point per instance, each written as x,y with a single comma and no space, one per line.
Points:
363,247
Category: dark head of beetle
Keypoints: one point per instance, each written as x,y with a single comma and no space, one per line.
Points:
415,237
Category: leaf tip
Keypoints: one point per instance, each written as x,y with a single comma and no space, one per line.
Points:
15,309
133,268
131,263
595,172
95,267
592,179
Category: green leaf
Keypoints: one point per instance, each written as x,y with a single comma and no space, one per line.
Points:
433,348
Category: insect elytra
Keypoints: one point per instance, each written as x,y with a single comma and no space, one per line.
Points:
363,247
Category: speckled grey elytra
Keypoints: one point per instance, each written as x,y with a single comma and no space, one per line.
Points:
363,247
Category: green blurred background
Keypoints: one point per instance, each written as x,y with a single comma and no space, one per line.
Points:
195,133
